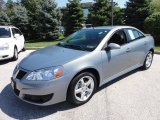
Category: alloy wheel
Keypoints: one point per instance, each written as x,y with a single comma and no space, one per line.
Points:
84,88
149,59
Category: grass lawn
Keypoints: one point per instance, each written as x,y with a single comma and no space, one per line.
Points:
40,44
157,48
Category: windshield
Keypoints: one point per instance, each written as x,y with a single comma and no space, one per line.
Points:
5,33
85,39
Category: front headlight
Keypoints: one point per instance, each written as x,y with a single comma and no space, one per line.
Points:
4,47
46,74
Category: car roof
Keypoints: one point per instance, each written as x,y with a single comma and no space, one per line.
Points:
7,26
109,27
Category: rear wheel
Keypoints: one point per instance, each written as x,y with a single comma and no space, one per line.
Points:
148,61
82,88
24,48
15,56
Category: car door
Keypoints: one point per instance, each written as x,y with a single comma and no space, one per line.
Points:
115,61
19,39
136,45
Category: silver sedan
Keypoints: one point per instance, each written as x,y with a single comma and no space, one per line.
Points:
73,69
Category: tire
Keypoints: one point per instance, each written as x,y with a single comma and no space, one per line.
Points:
15,56
24,49
85,84
148,61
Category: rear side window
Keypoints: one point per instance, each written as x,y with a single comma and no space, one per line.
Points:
134,34
16,31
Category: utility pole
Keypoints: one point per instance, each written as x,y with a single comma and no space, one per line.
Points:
112,11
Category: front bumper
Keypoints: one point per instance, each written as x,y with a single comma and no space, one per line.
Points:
41,93
6,54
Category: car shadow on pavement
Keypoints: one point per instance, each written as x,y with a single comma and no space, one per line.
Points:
3,62
17,109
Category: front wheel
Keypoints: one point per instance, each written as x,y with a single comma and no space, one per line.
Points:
82,88
15,55
148,61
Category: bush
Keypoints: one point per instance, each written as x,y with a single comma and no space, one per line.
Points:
152,25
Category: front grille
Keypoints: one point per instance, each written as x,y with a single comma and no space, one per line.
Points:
38,98
21,74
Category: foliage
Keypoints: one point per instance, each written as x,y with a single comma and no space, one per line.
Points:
48,25
4,19
19,18
64,16
33,8
119,15
74,16
155,5
9,7
1,5
59,16
152,25
100,13
136,12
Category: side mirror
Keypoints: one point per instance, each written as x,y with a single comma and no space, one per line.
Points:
113,46
16,35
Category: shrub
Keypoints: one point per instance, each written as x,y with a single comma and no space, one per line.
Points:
152,25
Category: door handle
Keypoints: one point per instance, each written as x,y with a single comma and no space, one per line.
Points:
128,50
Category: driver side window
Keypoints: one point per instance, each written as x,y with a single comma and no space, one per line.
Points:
119,38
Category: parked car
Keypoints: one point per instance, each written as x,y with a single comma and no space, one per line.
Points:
11,42
73,69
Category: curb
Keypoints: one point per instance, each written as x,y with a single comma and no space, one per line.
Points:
157,52
33,48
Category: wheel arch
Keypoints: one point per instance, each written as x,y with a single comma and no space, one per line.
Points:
91,70
152,50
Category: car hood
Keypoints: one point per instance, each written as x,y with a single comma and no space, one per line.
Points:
50,56
4,40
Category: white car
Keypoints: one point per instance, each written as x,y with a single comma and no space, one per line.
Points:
11,42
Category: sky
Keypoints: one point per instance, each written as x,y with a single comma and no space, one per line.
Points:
62,3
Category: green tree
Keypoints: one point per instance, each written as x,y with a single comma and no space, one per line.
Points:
100,13
74,19
119,16
136,12
59,16
2,3
155,6
48,20
64,16
152,26
4,19
19,18
33,8
9,7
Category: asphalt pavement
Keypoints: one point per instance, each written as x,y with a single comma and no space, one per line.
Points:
134,96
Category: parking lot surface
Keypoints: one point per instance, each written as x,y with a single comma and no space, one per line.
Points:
134,96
